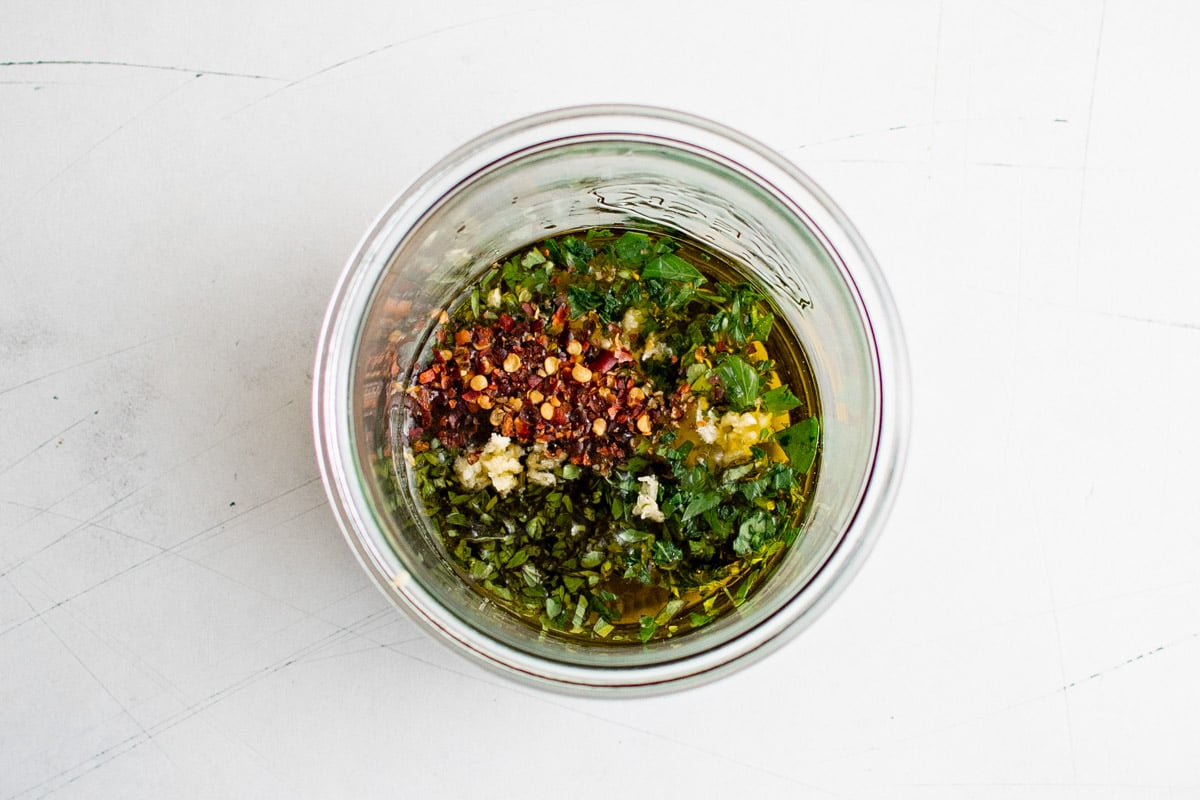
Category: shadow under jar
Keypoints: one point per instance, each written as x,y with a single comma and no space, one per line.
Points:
613,167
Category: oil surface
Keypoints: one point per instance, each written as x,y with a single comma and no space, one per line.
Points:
564,557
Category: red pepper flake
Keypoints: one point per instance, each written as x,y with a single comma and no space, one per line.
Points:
594,412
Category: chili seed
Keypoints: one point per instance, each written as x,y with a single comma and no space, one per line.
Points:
479,383
599,426
551,365
547,411
581,373
512,362
643,424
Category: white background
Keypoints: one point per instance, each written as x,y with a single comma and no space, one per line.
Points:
181,183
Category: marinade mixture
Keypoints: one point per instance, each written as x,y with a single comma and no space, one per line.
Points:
612,437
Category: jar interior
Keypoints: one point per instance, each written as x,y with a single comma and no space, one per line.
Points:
639,183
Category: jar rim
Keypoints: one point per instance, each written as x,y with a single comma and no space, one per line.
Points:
339,338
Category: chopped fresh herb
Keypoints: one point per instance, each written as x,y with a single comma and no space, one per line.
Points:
668,611
740,381
665,553
632,249
583,300
800,442
577,254
700,503
601,436
672,268
779,400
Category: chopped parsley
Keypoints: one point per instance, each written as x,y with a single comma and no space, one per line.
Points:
604,441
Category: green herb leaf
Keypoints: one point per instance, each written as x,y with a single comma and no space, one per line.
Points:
734,474
665,244
580,611
553,251
754,532
669,295
671,267
669,610
779,400
701,503
583,300
632,248
511,273
718,526
782,476
636,569
646,628
665,554
696,371
576,253
740,381
534,281
533,258
762,323
632,536
800,442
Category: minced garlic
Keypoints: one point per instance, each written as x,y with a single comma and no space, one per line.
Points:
499,464
646,505
631,323
731,435
655,349
539,466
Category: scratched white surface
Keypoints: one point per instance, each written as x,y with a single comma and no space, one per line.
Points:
180,185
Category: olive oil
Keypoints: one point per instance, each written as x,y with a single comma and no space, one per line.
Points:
613,435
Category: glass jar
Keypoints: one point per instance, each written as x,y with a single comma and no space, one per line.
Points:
631,167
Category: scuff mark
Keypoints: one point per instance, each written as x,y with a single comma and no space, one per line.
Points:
70,367
1087,146
133,65
367,54
98,143
1129,662
57,436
